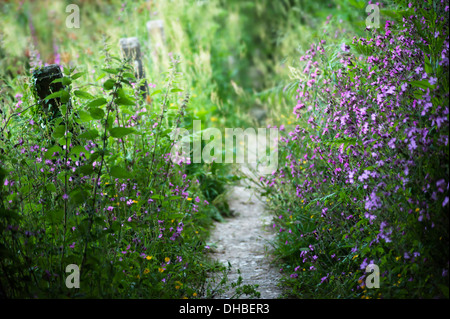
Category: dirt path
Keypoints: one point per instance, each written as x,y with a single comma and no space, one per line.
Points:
244,240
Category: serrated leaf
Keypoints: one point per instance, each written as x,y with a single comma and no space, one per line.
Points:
59,131
66,81
84,116
77,75
109,84
111,71
124,101
97,102
90,134
119,172
83,94
96,113
50,187
77,150
119,132
54,95
78,197
52,150
424,84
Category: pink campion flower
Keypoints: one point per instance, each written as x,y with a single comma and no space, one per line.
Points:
65,196
345,47
432,80
445,202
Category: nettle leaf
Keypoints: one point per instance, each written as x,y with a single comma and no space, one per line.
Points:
84,116
78,197
75,151
119,132
52,150
89,134
85,170
59,131
97,102
77,75
124,101
65,141
54,95
64,96
50,187
109,84
55,216
119,172
83,94
129,75
424,84
66,81
96,113
111,71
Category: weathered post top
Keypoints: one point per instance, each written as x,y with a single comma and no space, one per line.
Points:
43,86
132,50
131,47
158,26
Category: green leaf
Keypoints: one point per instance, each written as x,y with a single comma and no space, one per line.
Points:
64,96
77,75
89,134
50,187
124,101
51,150
119,132
85,170
424,84
109,84
129,75
97,102
84,116
55,216
119,172
59,131
83,94
96,113
111,71
79,149
176,90
54,95
66,81
65,141
78,197
156,92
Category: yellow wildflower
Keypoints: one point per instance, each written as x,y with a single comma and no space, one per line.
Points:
167,259
194,294
149,257
146,271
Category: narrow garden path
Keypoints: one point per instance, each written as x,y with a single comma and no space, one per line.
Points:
244,240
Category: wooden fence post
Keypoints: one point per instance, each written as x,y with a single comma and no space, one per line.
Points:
43,86
132,50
